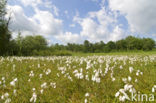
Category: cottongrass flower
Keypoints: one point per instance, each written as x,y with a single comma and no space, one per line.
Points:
53,85
124,80
38,66
41,76
58,75
12,83
87,78
139,73
41,91
5,96
85,101
87,95
33,89
121,67
48,72
29,80
44,85
79,75
8,100
113,79
2,97
127,87
33,98
3,78
117,94
3,81
129,78
96,77
31,74
130,69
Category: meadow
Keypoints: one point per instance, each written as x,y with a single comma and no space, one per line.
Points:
78,79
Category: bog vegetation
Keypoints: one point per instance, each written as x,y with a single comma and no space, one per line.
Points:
91,79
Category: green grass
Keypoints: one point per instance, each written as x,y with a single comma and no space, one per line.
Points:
153,52
73,91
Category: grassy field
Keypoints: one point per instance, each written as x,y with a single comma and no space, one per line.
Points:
83,78
142,53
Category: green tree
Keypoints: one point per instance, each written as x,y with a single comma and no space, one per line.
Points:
33,43
110,46
88,47
19,41
148,44
5,34
121,45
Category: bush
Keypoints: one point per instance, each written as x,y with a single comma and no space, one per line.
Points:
51,53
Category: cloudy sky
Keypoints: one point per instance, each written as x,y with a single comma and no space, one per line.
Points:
63,21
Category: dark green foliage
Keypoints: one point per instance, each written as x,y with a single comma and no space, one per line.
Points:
148,44
31,44
37,46
121,45
88,47
5,34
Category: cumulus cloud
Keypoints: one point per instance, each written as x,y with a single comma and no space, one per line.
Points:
47,23
139,13
42,22
19,21
69,37
100,25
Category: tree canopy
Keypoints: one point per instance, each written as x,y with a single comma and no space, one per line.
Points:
5,34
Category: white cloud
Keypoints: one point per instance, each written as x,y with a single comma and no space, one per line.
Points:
31,2
100,25
50,5
140,14
42,22
19,21
117,34
46,3
47,23
69,37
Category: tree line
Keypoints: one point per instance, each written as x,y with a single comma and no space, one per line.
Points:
37,44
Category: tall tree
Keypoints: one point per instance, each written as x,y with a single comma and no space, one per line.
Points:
33,43
5,34
149,44
19,41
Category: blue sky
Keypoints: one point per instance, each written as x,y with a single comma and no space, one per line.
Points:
63,21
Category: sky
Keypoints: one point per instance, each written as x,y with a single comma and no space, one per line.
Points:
73,21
